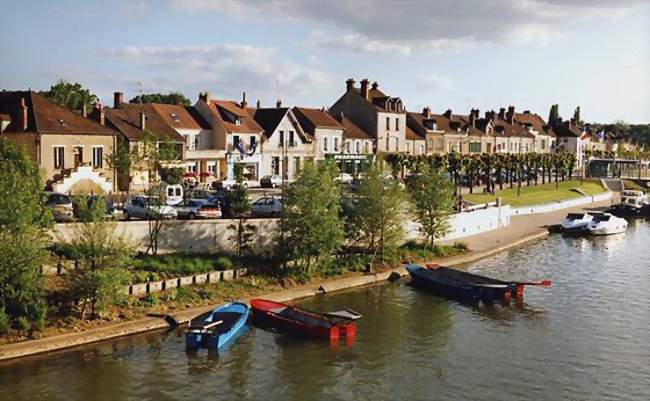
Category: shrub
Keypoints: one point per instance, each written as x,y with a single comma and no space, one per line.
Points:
224,263
22,323
4,322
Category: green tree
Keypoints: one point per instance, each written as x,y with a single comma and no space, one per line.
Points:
71,95
169,98
102,256
379,212
23,220
576,116
122,160
432,195
554,115
454,167
314,228
240,207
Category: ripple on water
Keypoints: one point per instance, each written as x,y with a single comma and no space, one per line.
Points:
584,338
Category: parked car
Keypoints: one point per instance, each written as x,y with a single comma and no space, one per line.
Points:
268,206
271,181
60,205
174,194
111,211
228,183
344,178
198,208
144,207
199,194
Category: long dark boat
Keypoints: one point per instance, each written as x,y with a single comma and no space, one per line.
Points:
331,326
467,287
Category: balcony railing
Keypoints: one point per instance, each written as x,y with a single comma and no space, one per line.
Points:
243,148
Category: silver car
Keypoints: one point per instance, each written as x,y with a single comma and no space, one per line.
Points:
141,207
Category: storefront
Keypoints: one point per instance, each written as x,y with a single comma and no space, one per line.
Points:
351,163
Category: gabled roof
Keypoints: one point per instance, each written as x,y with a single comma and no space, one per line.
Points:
228,112
310,119
534,120
46,117
567,130
269,118
181,117
126,119
351,130
504,128
412,135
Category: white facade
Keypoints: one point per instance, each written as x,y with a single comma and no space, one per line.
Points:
391,132
286,148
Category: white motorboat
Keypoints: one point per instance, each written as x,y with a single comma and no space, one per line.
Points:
634,201
576,223
606,224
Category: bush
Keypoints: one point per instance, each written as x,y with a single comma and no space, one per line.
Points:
22,323
4,322
224,263
182,264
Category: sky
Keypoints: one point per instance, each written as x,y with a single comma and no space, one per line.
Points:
446,54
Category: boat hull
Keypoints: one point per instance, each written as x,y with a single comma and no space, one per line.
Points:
233,314
300,321
462,286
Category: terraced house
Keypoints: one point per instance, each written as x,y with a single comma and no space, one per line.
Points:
535,125
285,145
71,149
141,125
235,133
382,116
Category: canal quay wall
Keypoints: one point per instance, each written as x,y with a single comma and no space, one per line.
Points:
522,229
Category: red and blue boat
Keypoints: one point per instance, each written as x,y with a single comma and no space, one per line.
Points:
332,326
467,287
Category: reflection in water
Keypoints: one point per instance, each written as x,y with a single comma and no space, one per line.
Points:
583,338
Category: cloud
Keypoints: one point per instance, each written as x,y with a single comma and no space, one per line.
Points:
227,69
407,26
435,82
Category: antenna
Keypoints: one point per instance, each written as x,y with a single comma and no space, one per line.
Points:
140,90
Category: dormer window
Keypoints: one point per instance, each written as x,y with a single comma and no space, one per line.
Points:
237,121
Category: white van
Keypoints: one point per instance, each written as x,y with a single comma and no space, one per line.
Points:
174,194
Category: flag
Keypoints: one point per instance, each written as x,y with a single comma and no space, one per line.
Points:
601,134
584,134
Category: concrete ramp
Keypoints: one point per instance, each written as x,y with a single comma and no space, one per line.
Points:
613,184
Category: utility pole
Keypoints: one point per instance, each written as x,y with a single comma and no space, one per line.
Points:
282,197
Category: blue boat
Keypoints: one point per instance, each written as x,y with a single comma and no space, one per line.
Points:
215,328
467,287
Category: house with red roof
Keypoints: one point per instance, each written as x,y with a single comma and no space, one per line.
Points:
70,148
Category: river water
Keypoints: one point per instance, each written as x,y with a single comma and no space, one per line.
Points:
585,338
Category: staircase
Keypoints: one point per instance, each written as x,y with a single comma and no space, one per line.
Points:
613,184
80,174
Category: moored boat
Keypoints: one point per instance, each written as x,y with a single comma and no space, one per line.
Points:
467,287
576,223
634,201
217,327
607,224
331,326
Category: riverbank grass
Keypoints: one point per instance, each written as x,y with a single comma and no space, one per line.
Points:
539,194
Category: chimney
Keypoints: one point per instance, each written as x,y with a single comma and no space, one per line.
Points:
143,121
472,117
502,113
84,113
448,113
364,88
98,114
375,85
259,104
118,99
511,114
490,115
278,104
244,104
24,116
205,96
349,84
426,112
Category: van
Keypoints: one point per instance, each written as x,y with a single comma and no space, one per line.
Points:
174,194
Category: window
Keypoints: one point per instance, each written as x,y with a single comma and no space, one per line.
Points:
191,167
387,143
275,165
296,165
253,142
235,140
422,150
348,147
358,147
396,124
387,122
292,141
212,168
325,145
196,141
440,145
367,147
98,157
543,144
281,138
475,147
59,156
336,144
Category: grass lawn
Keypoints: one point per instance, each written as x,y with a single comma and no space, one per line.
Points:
538,194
